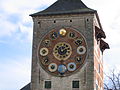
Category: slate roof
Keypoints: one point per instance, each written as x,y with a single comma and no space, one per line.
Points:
27,87
65,7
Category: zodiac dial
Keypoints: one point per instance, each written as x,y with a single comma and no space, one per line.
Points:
62,52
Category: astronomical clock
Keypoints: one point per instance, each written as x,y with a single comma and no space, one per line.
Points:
62,52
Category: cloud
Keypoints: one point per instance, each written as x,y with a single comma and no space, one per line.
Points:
13,28
7,28
15,16
14,74
27,30
13,6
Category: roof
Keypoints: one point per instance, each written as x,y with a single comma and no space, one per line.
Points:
27,87
65,7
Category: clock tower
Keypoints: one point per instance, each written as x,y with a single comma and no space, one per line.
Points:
67,48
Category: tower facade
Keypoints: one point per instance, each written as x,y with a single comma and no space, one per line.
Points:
67,48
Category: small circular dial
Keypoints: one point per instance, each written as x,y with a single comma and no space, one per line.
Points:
52,67
78,42
46,43
62,32
45,61
71,35
71,66
81,50
43,51
62,51
62,69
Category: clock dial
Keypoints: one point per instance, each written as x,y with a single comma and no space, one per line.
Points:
71,35
52,67
71,66
45,61
53,35
78,42
62,69
43,51
62,52
81,50
46,42
78,59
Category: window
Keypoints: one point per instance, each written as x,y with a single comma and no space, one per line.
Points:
38,22
70,20
75,84
99,68
39,76
54,21
96,87
47,84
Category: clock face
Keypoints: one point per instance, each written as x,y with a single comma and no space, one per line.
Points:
62,52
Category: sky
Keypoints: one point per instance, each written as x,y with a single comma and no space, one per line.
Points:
16,29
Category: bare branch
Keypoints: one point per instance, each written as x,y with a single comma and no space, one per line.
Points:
106,86
113,82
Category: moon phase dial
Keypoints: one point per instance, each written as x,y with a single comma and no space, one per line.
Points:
62,52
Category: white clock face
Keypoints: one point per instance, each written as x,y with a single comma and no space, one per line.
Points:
62,52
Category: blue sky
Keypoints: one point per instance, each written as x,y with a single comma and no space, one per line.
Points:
16,37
